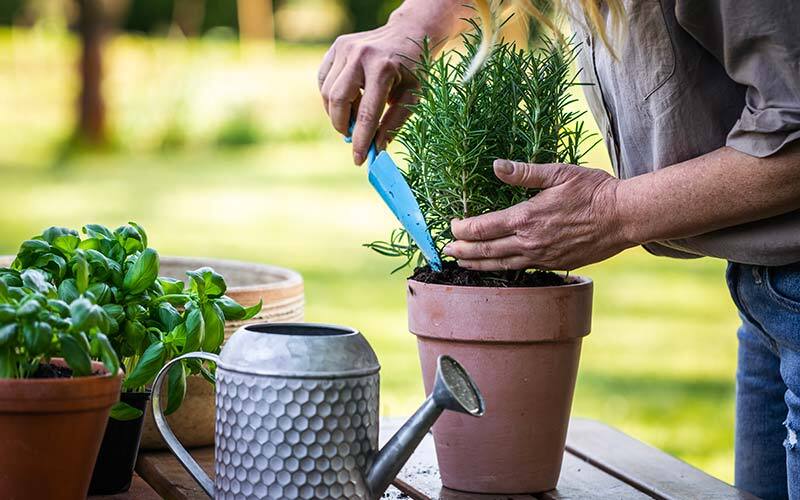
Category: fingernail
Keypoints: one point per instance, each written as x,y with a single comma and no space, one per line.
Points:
446,250
358,157
504,167
463,263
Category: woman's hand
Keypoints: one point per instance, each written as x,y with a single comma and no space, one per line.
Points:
572,222
363,72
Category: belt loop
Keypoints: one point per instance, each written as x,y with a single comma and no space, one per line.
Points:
757,274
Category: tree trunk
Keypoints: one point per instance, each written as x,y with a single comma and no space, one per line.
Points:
91,107
255,19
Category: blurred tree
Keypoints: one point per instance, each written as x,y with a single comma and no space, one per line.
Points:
369,14
9,10
256,19
91,107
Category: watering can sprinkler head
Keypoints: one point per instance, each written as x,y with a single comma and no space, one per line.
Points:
453,390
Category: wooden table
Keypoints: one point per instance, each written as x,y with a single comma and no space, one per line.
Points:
600,462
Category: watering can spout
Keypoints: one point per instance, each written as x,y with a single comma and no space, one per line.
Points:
453,390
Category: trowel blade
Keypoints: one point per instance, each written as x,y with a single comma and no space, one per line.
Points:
390,184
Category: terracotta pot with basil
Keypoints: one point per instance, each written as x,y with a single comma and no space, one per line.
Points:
54,399
145,318
518,332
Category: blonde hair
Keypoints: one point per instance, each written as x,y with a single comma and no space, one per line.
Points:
591,9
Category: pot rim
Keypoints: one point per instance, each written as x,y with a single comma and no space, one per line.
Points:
287,277
578,283
59,395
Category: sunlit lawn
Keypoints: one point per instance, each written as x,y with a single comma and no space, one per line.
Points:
659,363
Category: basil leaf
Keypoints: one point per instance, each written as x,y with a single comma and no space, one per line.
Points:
81,270
178,299
66,244
36,280
37,337
28,252
115,311
101,346
141,231
195,330
97,231
7,313
101,292
207,282
68,291
75,355
146,369
251,311
7,334
123,411
215,327
176,387
168,316
230,308
171,286
29,308
53,264
143,273
86,316
59,307
53,233
134,335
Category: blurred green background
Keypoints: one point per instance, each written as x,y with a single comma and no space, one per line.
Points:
213,138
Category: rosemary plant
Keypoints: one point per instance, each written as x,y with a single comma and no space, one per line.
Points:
517,107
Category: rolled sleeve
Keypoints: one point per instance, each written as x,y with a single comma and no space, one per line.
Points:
758,42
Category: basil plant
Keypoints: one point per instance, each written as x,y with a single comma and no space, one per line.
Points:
150,319
35,325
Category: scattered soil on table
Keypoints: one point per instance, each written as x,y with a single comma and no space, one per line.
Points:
452,274
52,371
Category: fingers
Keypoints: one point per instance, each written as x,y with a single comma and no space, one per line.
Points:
342,94
370,109
532,175
394,116
507,246
489,226
325,67
501,264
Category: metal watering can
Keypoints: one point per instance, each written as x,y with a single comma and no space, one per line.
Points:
297,414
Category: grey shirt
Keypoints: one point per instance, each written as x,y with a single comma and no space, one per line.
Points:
692,76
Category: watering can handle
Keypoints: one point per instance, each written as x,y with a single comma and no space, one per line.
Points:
189,463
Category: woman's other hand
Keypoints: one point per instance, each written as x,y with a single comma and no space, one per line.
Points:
573,221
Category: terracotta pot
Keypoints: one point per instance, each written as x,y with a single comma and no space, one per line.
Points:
521,346
50,430
284,301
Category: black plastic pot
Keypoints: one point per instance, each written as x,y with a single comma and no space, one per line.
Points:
113,470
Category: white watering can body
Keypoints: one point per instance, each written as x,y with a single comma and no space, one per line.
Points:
297,415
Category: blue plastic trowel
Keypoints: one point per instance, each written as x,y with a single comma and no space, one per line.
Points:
389,182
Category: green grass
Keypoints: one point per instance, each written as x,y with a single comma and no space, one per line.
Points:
659,363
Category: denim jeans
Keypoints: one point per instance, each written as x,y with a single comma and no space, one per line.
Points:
768,379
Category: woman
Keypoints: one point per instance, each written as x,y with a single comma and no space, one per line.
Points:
699,105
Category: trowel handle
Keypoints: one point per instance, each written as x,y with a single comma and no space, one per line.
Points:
177,448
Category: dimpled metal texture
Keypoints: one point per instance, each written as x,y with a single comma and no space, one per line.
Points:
287,438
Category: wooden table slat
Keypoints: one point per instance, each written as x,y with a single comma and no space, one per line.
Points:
139,490
644,467
601,462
